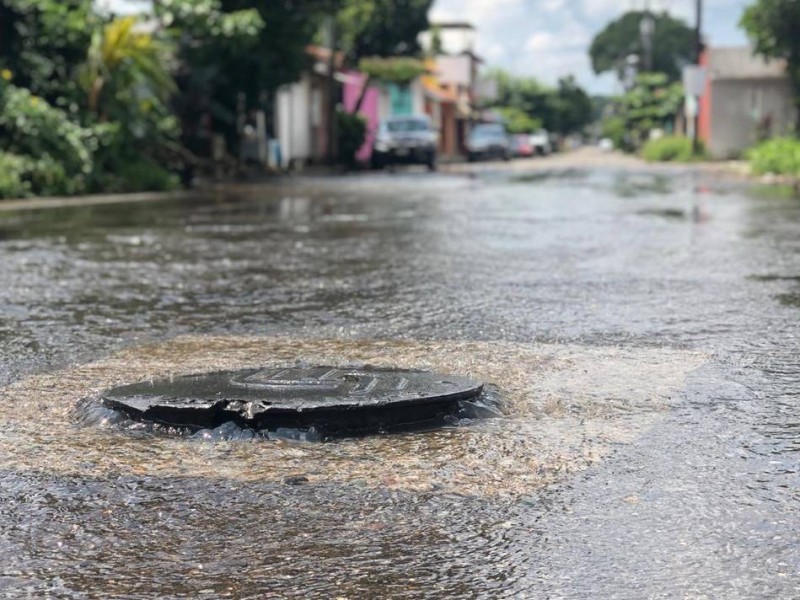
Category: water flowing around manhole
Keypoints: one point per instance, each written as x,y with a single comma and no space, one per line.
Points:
335,400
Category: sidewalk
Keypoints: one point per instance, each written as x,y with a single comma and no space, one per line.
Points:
590,157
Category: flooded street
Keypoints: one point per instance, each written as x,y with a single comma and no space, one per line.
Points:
640,328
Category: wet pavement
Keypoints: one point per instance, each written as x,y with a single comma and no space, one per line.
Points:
640,327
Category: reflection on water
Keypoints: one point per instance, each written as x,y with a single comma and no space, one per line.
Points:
647,359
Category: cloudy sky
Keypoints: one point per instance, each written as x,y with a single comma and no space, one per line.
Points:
550,38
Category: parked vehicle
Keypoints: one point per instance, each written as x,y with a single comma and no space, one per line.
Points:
541,142
521,146
489,140
405,140
606,144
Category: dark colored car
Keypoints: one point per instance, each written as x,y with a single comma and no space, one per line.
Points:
488,140
405,140
522,146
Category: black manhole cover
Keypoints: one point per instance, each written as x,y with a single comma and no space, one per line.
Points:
334,399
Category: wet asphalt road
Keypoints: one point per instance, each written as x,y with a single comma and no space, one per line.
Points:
700,501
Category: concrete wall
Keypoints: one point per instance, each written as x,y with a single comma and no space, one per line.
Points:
744,110
455,70
293,121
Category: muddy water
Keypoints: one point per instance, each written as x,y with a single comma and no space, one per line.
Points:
565,408
639,327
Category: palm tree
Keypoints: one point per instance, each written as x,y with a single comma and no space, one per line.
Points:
123,57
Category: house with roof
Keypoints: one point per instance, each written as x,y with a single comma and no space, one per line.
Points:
747,99
457,70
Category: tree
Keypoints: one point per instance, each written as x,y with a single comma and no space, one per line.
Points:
121,62
773,27
525,94
571,107
566,109
382,27
43,43
672,45
212,46
278,55
651,103
518,121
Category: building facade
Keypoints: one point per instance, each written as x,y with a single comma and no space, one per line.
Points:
746,100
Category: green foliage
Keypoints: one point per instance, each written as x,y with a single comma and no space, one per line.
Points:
518,121
14,176
651,103
671,148
772,26
780,156
614,129
99,104
22,176
352,129
382,27
673,44
42,43
58,152
125,74
141,174
398,70
566,109
275,57
204,19
570,106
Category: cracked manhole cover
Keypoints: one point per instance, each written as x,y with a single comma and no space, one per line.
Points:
334,399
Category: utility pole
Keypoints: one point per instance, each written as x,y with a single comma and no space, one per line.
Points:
333,132
646,30
698,31
698,51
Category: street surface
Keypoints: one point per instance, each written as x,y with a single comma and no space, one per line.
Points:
638,322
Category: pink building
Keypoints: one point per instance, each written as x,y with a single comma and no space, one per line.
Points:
370,108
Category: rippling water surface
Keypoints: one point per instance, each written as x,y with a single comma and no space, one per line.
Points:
640,327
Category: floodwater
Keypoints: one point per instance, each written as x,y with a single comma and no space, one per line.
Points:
640,329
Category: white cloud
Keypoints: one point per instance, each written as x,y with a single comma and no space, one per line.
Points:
541,40
553,5
495,52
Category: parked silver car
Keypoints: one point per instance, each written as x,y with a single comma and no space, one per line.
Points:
405,140
489,140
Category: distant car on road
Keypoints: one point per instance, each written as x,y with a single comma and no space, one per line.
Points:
521,146
541,142
405,140
488,140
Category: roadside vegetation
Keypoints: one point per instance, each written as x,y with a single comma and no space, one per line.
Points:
653,95
93,102
778,156
671,148
528,105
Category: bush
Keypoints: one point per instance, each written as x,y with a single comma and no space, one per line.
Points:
670,148
22,176
780,156
29,126
518,121
614,129
13,183
139,175
352,130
